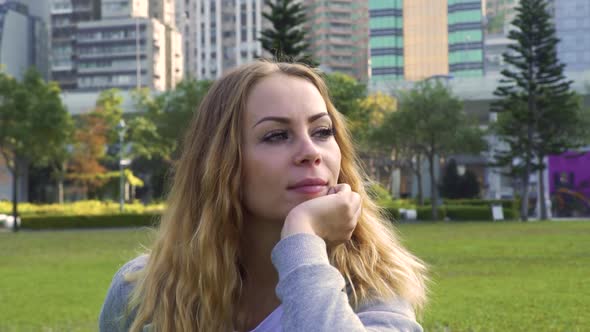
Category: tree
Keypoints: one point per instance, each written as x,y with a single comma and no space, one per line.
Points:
286,38
538,113
91,138
451,181
156,133
457,186
430,124
34,125
469,185
347,94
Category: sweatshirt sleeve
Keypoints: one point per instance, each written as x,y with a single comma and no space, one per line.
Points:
114,315
313,294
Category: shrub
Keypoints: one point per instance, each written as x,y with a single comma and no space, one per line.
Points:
469,213
89,207
378,193
425,213
89,221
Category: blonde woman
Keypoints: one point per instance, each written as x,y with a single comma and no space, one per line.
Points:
268,226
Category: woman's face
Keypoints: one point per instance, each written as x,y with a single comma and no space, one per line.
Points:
290,154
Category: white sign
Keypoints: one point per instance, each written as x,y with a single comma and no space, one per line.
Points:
497,212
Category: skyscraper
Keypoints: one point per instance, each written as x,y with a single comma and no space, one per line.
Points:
24,38
417,39
337,32
219,34
119,46
65,15
572,23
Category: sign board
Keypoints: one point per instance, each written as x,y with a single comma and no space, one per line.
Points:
497,212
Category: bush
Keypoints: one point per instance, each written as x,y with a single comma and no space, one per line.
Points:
89,207
378,193
506,203
425,213
469,213
89,221
392,213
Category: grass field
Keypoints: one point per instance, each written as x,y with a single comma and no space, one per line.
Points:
485,276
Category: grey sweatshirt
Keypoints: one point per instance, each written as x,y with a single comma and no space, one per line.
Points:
312,294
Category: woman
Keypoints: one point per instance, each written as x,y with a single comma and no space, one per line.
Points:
268,225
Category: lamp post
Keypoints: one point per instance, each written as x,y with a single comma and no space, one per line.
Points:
121,128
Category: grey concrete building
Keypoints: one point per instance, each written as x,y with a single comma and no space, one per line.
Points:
65,15
219,34
115,44
24,38
572,22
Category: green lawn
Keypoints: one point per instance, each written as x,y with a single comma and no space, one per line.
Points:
485,276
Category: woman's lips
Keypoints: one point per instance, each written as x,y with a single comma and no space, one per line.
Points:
312,189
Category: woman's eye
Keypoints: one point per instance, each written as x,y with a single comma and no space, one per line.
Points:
275,136
324,132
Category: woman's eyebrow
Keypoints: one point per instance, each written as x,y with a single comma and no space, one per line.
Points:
286,120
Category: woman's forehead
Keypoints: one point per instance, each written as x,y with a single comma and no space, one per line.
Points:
283,95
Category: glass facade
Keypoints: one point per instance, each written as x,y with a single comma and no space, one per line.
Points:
417,39
465,36
425,47
386,43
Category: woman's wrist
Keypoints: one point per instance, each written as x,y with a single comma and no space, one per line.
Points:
296,223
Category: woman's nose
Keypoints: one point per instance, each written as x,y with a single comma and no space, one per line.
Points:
308,153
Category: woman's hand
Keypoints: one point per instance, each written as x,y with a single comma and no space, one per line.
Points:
332,217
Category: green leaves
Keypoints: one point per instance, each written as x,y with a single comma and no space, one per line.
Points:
34,124
286,39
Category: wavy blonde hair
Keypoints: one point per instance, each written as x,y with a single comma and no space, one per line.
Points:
192,279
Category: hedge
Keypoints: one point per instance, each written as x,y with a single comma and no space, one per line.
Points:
89,221
425,213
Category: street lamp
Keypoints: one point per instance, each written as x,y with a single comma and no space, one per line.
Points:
121,128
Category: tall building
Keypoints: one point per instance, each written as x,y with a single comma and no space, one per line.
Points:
417,39
121,46
572,23
163,11
219,34
65,15
24,38
337,32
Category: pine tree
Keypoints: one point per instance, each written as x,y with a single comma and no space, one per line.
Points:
538,113
286,39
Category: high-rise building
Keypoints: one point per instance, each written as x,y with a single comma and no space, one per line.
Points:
121,46
572,23
219,34
337,32
128,53
163,11
417,39
24,38
65,15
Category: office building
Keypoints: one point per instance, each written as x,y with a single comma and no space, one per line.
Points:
117,45
417,39
572,23
24,38
337,32
219,34
65,15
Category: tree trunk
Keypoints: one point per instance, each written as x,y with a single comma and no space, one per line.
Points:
524,200
15,196
433,189
60,190
60,184
418,172
543,205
